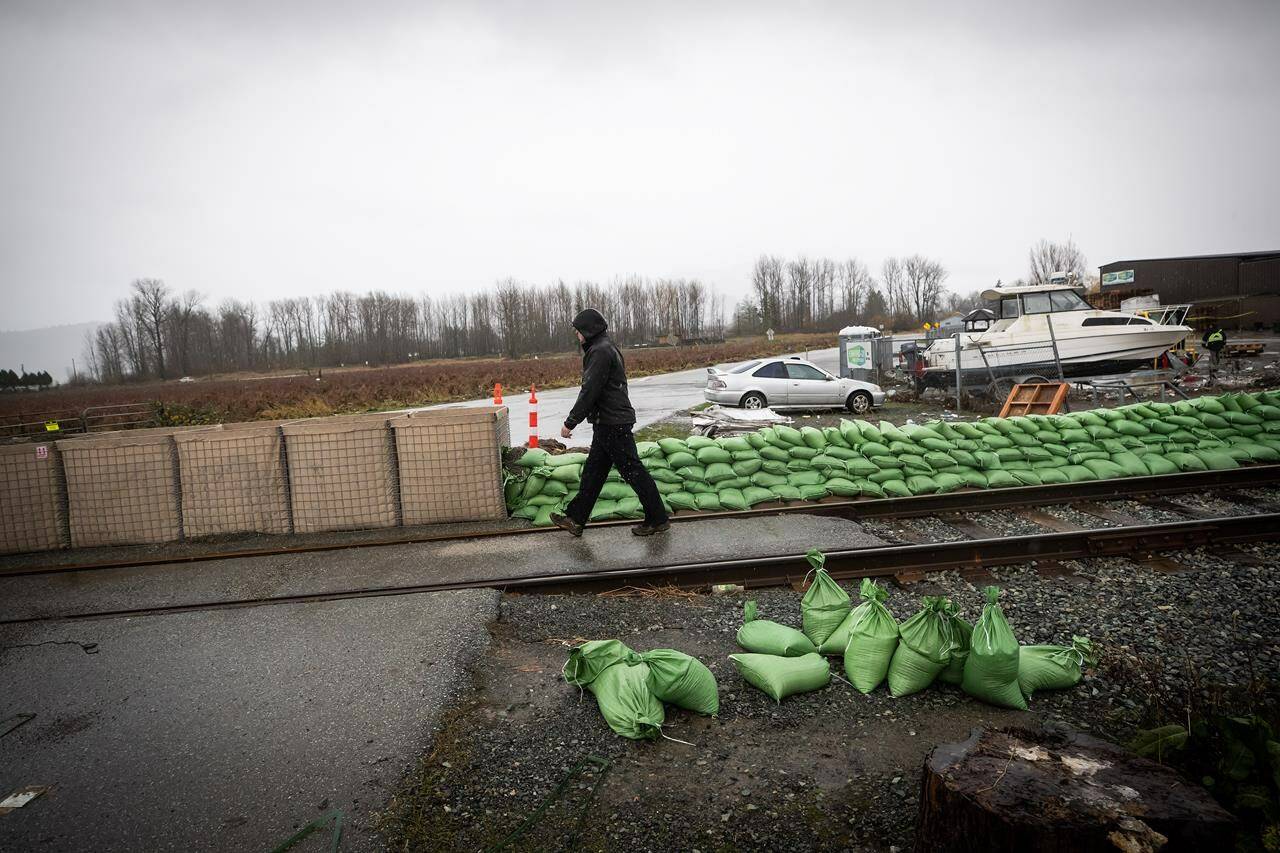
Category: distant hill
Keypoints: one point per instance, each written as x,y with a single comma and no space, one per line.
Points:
48,349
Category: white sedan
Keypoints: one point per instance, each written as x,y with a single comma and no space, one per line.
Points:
788,383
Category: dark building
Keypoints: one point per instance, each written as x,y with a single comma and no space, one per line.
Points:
1240,291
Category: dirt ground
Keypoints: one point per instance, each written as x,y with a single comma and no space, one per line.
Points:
828,770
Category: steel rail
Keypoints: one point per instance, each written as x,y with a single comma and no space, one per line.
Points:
851,510
786,568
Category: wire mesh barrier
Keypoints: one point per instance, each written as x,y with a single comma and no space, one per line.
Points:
233,480
33,493
146,486
122,488
450,464
1003,366
342,473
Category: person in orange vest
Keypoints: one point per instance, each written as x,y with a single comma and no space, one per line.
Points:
603,401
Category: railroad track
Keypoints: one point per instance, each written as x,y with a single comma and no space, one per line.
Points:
1019,498
1056,539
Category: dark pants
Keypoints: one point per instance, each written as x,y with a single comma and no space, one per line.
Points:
613,446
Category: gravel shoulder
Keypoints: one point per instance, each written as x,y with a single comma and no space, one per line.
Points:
829,770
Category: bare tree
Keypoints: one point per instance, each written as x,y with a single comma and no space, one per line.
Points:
923,280
894,283
1047,258
150,306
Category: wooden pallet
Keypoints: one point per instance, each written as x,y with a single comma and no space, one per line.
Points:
1035,399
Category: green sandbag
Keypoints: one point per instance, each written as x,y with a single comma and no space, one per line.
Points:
885,462
682,500
874,448
708,502
887,474
948,482
532,486
672,445
756,495
842,453
734,443
682,680
696,473
626,702
937,459
616,491
527,512
922,485
707,455
1260,452
533,458
604,510
1001,479
851,433
732,499
823,462
785,492
562,459
1052,476
668,488
645,449
767,480
869,489
777,454
655,462
630,508
805,478
972,478
555,489
936,445
1187,462
799,465
873,637
924,648
1078,473
1053,667
789,436
991,672
1104,469
1130,428
915,460
543,516
813,437
779,469
683,459
997,442
1241,418
765,637
815,492
693,487
895,488
805,452
779,677
843,487
961,632
1216,460
861,467
697,442
825,605
593,657
666,475
747,467
834,438
1130,464
718,471
756,440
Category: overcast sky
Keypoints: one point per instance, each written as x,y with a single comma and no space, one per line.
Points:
307,146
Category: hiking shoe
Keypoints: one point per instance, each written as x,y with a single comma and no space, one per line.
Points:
646,530
566,523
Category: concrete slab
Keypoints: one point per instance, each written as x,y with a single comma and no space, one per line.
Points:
227,730
398,565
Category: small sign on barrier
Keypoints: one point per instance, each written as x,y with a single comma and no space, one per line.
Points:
51,426
42,452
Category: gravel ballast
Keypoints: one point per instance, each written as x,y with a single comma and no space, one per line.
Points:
832,769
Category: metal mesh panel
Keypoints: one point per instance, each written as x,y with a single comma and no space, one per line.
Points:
32,498
233,481
342,474
450,464
123,488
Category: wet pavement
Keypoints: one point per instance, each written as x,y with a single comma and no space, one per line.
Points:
228,730
654,398
552,551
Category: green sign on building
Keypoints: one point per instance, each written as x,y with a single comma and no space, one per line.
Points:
1117,277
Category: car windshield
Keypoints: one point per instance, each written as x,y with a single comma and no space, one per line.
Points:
743,368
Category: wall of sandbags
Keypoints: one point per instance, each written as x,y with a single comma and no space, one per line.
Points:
320,474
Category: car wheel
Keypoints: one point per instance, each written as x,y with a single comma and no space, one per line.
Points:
753,400
859,403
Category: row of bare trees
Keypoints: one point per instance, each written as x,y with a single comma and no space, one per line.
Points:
821,293
161,334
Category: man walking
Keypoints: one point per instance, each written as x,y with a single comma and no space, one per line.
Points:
604,403
1214,340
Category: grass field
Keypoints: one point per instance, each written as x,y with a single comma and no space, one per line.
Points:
365,390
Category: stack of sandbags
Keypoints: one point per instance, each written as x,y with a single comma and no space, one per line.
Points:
861,459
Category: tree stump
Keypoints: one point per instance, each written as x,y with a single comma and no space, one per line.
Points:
1059,790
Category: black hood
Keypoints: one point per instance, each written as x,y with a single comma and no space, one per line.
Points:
590,322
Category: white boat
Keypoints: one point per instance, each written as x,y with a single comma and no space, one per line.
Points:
1090,342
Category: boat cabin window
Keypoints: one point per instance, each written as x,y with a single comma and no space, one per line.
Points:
1067,300
1035,303
1116,321
1009,308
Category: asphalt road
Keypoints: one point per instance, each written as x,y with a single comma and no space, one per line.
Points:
654,397
227,730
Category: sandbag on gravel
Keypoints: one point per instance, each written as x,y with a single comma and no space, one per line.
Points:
626,702
1053,667
961,633
780,677
592,658
732,499
991,672
682,680
873,638
825,605
924,649
765,637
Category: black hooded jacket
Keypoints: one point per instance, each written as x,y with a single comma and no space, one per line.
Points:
603,398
